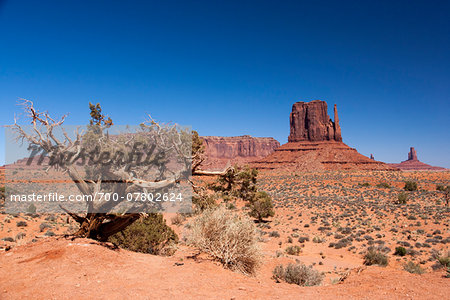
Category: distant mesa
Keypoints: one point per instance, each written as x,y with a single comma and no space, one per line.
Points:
413,163
236,149
315,143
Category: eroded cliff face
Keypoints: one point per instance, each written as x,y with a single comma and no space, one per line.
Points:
236,149
239,146
309,121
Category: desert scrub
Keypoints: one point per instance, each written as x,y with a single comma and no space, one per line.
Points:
317,239
375,257
261,206
229,237
442,259
410,186
414,268
297,274
400,251
274,234
402,198
21,224
383,185
303,239
203,202
293,250
178,219
147,235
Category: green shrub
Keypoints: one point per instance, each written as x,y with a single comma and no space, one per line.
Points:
375,257
230,238
366,184
410,186
147,235
414,268
400,251
298,274
261,206
293,250
402,198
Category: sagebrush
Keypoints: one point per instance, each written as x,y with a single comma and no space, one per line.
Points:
375,257
299,274
230,238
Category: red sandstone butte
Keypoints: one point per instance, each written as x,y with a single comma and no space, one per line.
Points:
315,143
236,149
413,163
310,122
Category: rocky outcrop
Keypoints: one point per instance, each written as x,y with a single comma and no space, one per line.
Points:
315,143
412,155
236,149
413,163
317,156
310,122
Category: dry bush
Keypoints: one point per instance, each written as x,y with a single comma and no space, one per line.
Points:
402,198
204,201
178,219
410,186
442,259
414,268
375,257
293,250
317,239
298,274
230,238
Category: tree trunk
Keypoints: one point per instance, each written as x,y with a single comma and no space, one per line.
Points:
101,226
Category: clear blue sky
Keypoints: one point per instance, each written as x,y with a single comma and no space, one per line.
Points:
236,67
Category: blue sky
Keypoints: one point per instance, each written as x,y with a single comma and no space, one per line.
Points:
236,67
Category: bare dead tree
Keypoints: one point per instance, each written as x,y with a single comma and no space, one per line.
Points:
97,222
128,177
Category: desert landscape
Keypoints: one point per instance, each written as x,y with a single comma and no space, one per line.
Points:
224,150
365,228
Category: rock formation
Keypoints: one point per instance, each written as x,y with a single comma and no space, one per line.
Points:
413,163
315,143
412,155
237,149
310,122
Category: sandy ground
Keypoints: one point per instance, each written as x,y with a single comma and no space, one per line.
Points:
340,208
65,269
